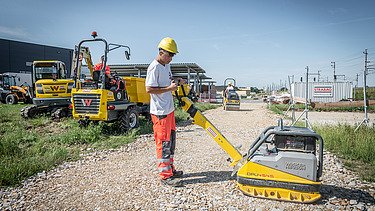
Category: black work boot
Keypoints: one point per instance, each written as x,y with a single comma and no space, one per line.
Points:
178,174
172,181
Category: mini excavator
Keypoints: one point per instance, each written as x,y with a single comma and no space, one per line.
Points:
284,163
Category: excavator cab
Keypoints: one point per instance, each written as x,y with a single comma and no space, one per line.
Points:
52,90
49,70
6,81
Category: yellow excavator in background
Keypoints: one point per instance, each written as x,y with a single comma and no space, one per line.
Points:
52,90
283,163
107,98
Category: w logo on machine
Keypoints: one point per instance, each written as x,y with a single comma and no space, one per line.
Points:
55,88
86,102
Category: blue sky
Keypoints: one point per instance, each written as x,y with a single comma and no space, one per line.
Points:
256,42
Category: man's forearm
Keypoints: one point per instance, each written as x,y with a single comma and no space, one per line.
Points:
157,90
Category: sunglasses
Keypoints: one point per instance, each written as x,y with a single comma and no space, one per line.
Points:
170,54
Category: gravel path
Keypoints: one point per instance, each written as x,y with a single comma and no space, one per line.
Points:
126,179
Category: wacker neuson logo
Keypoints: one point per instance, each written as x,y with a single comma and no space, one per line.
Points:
86,102
54,88
295,166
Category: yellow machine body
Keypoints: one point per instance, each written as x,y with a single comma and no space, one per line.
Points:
279,185
182,90
136,88
231,105
91,103
52,90
105,95
49,90
231,100
256,171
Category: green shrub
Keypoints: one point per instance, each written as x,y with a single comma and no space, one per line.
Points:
357,147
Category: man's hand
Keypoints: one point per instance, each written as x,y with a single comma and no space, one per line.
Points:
173,87
180,81
183,81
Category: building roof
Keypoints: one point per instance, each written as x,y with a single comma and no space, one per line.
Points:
183,70
135,69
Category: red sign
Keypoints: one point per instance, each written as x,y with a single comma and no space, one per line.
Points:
323,91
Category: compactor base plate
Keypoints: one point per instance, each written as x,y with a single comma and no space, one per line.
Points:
279,194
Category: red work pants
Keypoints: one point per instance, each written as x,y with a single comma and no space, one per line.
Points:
165,139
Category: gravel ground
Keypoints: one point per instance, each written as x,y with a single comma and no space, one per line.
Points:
351,118
126,179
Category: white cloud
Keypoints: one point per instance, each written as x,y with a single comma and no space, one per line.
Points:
216,47
339,10
12,32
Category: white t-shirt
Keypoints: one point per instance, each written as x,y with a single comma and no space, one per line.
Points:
229,88
160,76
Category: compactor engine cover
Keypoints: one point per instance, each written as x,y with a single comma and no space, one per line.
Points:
283,164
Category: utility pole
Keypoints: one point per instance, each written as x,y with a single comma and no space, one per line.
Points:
356,84
366,119
306,111
291,101
333,64
319,75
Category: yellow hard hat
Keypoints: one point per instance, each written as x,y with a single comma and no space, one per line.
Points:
168,44
230,83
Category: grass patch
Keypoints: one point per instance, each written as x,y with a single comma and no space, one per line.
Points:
206,106
280,108
369,90
347,109
34,145
181,115
357,148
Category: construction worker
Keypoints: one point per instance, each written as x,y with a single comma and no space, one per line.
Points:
160,84
229,87
98,67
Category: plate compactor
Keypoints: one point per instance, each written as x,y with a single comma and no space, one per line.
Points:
283,163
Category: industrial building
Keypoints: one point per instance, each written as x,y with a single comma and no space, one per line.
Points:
323,92
16,56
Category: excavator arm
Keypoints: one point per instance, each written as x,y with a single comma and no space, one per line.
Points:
84,53
199,119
